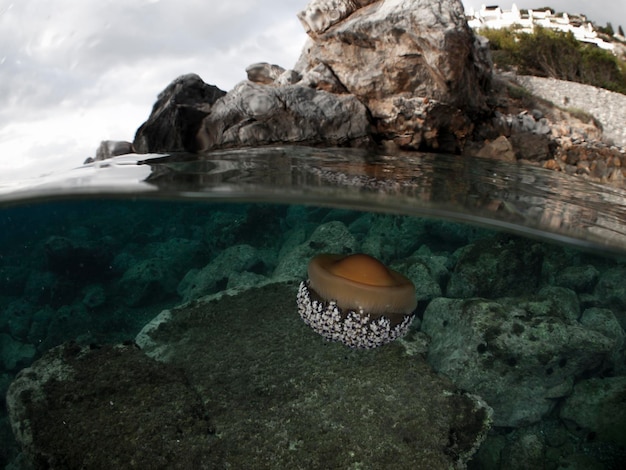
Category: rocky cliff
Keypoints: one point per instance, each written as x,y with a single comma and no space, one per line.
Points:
406,73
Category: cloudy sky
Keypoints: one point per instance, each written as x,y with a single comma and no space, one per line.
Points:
75,73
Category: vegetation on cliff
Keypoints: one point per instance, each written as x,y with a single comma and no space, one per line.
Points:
549,53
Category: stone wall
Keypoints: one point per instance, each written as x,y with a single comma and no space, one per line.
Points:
606,106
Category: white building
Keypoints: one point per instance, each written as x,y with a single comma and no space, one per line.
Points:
496,18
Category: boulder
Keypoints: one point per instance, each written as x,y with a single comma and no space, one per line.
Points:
264,73
415,64
224,271
176,116
107,407
406,73
519,354
253,114
111,148
598,406
496,267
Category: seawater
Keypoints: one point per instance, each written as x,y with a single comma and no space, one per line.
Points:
539,318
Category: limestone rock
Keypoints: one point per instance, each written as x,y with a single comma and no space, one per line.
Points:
319,15
500,149
598,405
14,354
220,272
496,268
113,148
516,353
394,54
405,73
253,114
253,361
109,407
176,116
264,73
331,237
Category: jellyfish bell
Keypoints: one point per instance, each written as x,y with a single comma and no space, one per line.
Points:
356,300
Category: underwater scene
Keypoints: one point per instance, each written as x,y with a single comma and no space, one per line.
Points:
351,323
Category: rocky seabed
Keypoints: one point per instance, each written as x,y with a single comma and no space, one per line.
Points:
608,107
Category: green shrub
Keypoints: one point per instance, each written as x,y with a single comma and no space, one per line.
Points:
549,53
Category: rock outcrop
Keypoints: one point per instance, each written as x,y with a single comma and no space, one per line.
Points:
410,73
415,64
254,114
176,116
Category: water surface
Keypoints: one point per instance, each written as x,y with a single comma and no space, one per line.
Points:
93,255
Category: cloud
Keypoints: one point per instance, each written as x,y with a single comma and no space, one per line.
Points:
74,73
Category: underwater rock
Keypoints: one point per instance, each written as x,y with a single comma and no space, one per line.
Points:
610,292
253,114
78,261
578,278
155,277
14,354
145,282
216,275
426,285
330,237
176,116
81,407
492,268
94,296
252,360
605,322
519,354
598,405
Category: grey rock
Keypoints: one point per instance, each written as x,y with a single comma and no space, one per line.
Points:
15,354
512,352
176,116
216,275
319,15
331,237
266,367
599,405
264,73
529,145
439,58
253,114
61,403
578,278
496,268
605,322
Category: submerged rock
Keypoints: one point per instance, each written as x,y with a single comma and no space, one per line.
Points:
260,364
598,406
241,382
519,354
112,407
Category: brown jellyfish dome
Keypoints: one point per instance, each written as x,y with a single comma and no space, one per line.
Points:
360,281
